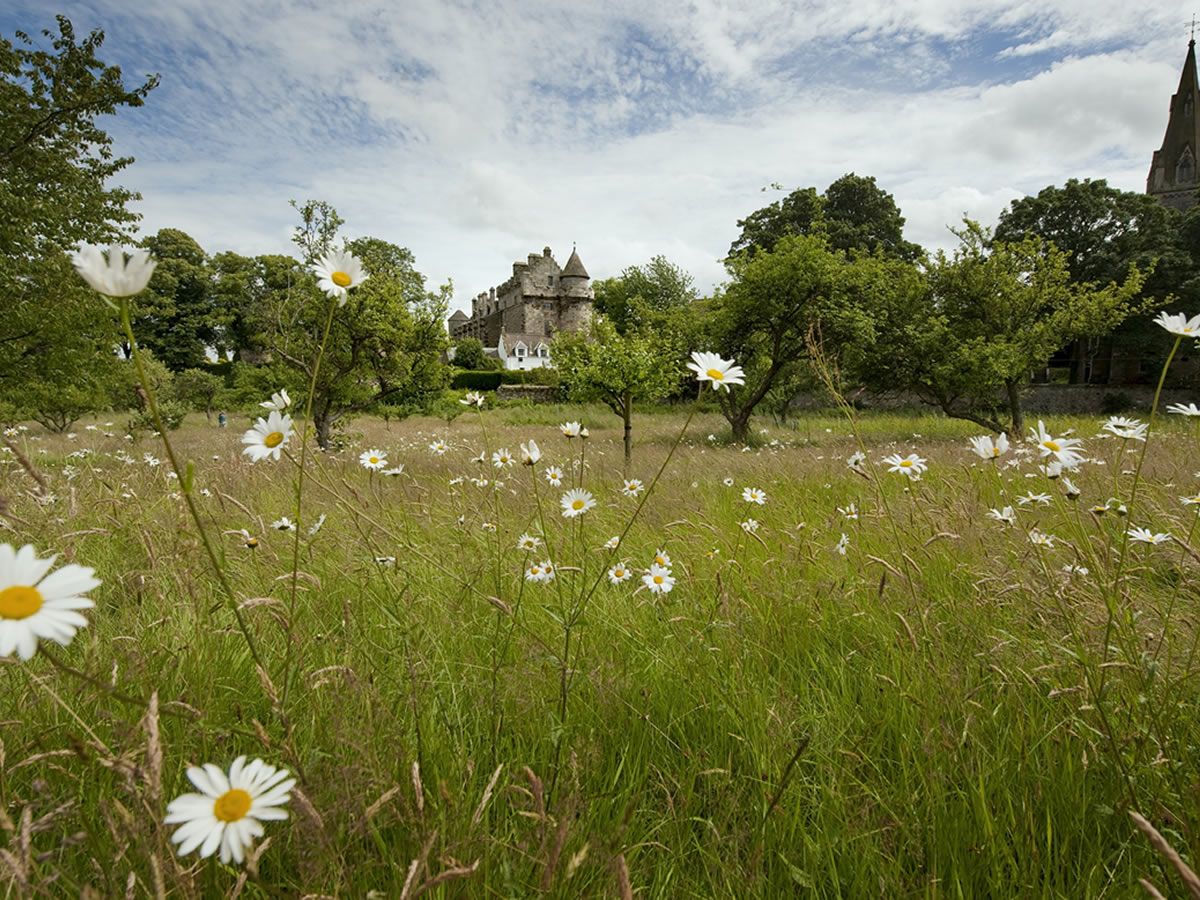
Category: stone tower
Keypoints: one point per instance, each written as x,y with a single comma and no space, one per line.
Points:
1173,175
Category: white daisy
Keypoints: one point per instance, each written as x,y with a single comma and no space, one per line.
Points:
843,544
115,276
728,482
373,460
576,502
613,542
1179,323
570,429
632,488
1031,497
268,437
659,580
473,398
754,495
229,810
1041,539
1063,449
1007,515
438,448
750,526
911,465
850,511
856,459
1070,489
316,526
280,401
1146,536
530,453
502,458
1126,429
393,471
1190,409
37,606
721,373
337,272
986,448
284,524
661,559
618,573
528,542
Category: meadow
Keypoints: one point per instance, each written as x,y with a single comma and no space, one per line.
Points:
863,686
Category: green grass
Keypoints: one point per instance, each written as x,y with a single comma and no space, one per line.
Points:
937,687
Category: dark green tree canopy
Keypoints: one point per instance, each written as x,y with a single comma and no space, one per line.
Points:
644,295
854,213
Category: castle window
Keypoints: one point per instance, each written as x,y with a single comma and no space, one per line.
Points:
520,350
542,352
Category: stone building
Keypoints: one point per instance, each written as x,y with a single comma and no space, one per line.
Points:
516,321
1173,171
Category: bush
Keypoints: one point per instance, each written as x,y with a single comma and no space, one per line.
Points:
468,354
478,381
1114,402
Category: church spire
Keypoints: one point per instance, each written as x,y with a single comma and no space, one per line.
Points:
1174,177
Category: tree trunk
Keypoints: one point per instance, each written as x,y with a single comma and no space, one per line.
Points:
1014,408
741,428
627,418
323,424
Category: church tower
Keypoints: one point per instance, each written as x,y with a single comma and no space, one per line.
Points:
1173,178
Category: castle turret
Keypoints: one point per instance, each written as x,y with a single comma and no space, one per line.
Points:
1173,175
575,281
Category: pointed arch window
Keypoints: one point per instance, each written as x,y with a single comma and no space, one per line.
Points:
1185,169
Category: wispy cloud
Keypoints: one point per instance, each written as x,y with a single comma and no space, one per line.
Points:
478,132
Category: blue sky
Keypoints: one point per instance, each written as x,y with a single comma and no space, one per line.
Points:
476,133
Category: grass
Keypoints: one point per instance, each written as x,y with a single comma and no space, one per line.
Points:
940,712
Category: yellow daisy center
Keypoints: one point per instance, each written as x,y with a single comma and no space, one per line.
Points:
20,602
232,805
341,279
577,504
274,439
658,579
1052,446
995,451
660,560
619,573
716,374
905,463
374,460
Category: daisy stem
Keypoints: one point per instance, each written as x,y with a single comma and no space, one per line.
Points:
308,405
66,669
185,482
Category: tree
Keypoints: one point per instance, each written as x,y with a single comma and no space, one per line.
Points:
198,389
616,369
384,345
987,316
854,213
643,295
1106,233
177,316
468,354
778,300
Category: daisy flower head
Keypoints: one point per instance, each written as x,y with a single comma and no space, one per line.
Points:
1064,449
115,276
534,572
229,810
1146,536
728,482
754,495
1126,429
438,448
394,471
842,545
911,465
37,604
856,459
1007,515
1194,500
473,398
1031,497
570,429
528,542
530,453
750,526
373,460
502,458
576,502
1041,539
279,401
659,579
337,272
1179,323
850,511
1191,409
985,447
632,487
619,573
662,559
613,542
554,476
268,437
283,524
721,373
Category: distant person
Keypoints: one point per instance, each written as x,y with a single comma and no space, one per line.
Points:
221,420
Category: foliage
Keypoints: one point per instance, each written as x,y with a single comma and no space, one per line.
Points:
990,314
198,389
854,213
780,300
477,381
616,369
644,296
468,354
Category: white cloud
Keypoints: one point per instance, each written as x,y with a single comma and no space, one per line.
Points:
477,133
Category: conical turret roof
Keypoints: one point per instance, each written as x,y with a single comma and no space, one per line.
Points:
574,267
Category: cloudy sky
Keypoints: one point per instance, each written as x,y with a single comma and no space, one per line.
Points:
477,132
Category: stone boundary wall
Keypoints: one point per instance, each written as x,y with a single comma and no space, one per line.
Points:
538,393
1038,398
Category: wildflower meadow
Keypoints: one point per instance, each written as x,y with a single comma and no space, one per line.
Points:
870,655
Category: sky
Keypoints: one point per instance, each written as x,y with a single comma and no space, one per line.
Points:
475,133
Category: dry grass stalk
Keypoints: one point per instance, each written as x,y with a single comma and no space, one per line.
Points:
152,772
418,788
487,795
1160,844
624,886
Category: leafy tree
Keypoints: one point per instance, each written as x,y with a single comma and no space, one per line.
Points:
854,213
644,295
384,345
177,316
1106,234
468,354
988,315
616,369
198,389
778,300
